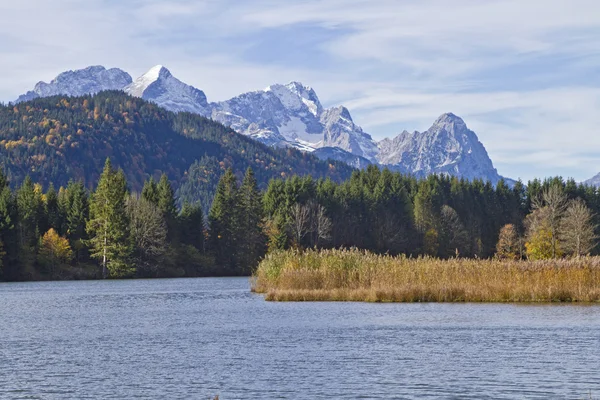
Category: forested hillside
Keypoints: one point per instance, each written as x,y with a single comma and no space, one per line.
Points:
58,139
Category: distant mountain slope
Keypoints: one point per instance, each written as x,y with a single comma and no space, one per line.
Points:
291,115
337,154
59,138
593,181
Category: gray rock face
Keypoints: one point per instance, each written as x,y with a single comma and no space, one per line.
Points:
80,82
292,115
158,85
448,147
340,131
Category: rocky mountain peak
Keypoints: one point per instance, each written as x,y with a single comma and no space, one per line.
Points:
297,97
292,115
161,87
80,82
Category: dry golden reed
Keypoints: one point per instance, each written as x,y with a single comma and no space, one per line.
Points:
355,275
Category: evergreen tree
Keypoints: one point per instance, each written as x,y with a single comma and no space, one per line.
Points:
166,197
9,268
191,225
252,239
76,215
29,204
108,224
150,191
222,220
168,206
53,215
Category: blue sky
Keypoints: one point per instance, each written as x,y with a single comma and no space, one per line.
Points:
524,74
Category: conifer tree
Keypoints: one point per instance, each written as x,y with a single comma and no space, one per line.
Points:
166,197
76,215
168,206
8,234
252,239
108,224
222,220
52,210
29,204
191,225
150,191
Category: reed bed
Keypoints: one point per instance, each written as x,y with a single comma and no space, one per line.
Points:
355,275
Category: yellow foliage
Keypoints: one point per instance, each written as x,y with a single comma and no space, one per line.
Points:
539,246
55,248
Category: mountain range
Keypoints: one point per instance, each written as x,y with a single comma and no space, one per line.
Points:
291,115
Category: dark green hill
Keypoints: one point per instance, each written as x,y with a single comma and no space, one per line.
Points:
60,138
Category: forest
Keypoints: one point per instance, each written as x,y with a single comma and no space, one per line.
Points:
57,139
116,231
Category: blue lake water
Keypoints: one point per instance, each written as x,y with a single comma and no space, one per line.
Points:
198,338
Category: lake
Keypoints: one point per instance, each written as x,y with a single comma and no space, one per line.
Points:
198,338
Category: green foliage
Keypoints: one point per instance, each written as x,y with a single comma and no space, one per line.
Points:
108,225
58,139
223,222
252,239
191,226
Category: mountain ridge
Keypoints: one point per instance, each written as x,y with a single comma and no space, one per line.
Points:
291,115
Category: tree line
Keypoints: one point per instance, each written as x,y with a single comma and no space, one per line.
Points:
114,232
439,216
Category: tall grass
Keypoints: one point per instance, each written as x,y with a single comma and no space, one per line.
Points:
354,275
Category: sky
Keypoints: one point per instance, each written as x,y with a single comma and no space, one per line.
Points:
523,74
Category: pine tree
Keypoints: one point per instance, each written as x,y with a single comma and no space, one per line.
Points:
191,225
252,239
166,197
222,221
150,191
29,204
8,235
168,206
108,224
76,211
52,210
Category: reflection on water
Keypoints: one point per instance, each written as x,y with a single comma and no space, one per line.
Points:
196,338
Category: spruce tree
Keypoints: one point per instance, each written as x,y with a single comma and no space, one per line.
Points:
150,191
222,221
76,215
191,225
29,204
168,206
166,197
108,224
252,239
8,236
52,210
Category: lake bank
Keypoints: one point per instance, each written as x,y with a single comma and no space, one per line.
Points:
354,275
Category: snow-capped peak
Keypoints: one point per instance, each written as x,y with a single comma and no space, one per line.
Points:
296,96
138,87
161,87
